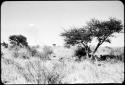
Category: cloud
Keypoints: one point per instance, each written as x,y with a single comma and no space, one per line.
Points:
32,30
31,25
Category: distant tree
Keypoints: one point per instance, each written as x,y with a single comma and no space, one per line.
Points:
102,30
18,40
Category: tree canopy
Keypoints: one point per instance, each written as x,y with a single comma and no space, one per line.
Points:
104,30
18,40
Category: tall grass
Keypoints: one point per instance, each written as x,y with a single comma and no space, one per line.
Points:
39,68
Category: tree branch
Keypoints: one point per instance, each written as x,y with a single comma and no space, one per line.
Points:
100,42
83,43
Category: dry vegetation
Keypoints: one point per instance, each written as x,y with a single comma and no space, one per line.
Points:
56,66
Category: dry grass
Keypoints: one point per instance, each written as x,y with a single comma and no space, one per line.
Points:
17,69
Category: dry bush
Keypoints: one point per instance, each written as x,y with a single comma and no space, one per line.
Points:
118,53
33,70
112,55
53,78
47,51
37,71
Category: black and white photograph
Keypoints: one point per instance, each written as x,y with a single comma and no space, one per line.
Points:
62,42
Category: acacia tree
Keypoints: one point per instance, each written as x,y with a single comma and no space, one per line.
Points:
18,40
102,30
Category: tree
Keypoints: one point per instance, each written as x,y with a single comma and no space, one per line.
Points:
78,36
18,40
102,30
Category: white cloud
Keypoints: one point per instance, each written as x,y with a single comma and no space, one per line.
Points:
31,25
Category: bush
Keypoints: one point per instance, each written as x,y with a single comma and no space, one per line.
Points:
18,40
118,53
15,54
105,57
4,44
47,51
80,52
111,58
53,78
33,51
120,58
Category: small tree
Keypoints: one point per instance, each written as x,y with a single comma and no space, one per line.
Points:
18,40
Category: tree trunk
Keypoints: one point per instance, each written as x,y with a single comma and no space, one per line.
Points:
86,50
99,44
87,54
96,48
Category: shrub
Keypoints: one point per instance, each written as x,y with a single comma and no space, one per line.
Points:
120,58
112,58
4,44
80,52
18,40
47,50
15,54
33,51
118,53
53,78
105,57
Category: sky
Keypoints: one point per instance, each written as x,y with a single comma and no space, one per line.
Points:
43,21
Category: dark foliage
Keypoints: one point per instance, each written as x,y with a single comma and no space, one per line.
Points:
4,44
76,36
116,57
80,52
18,40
